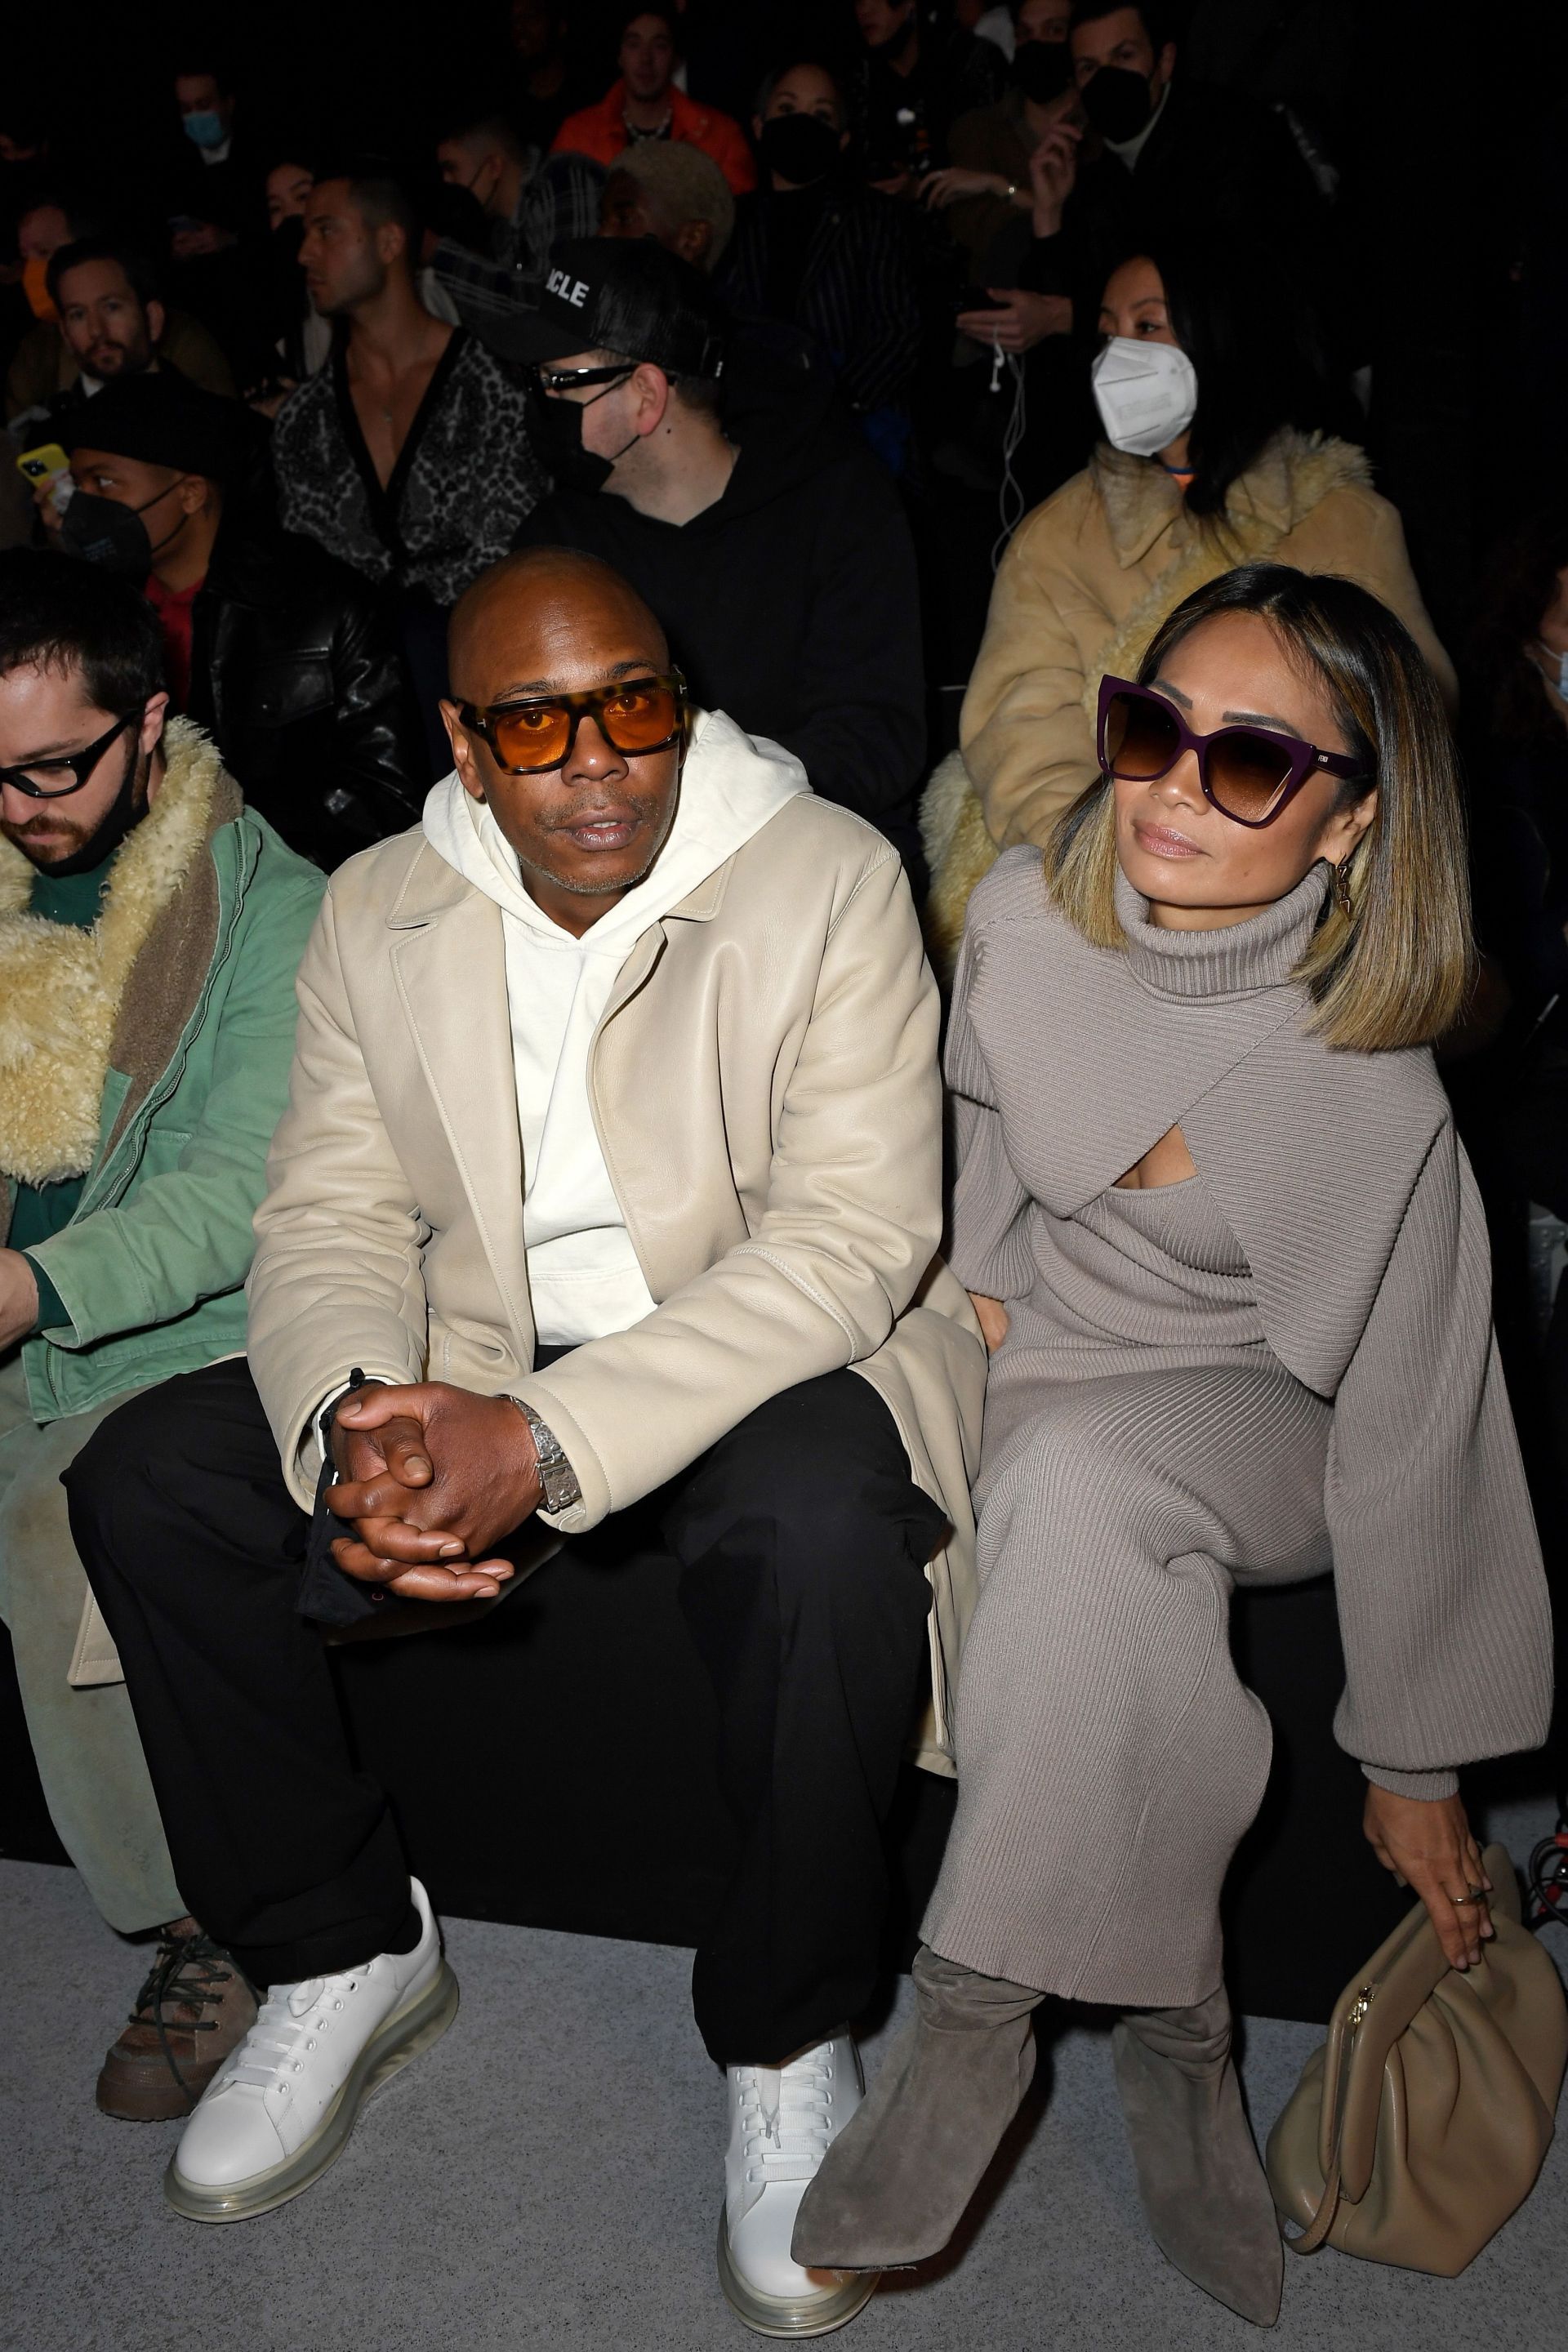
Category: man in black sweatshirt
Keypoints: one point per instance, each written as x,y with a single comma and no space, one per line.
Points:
753,520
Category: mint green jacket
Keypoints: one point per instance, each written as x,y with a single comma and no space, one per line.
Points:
151,1268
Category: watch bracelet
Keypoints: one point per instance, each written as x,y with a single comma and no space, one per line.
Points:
556,1476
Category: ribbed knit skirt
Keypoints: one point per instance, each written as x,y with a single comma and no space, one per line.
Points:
1109,1757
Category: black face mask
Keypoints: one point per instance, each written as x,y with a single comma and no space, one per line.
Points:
126,810
102,531
1041,70
1118,103
288,237
556,429
801,148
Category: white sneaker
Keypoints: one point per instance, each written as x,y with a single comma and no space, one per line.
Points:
782,2121
282,2107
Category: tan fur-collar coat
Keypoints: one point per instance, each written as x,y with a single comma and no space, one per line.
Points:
1090,576
72,1001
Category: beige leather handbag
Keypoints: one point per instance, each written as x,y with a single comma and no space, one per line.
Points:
1421,2126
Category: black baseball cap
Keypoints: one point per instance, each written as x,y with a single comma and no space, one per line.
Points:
162,419
619,294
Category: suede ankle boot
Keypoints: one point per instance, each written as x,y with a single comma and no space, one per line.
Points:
1201,2181
895,2182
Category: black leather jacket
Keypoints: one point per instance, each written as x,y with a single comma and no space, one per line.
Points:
296,673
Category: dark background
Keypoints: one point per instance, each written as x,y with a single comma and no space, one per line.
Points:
1451,125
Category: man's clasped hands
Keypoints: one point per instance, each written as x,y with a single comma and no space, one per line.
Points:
429,1478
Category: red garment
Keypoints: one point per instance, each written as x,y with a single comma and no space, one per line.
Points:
175,608
600,132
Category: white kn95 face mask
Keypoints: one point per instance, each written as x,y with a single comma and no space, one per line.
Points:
1556,664
1147,394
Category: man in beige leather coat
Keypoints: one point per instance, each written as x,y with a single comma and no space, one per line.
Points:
614,1155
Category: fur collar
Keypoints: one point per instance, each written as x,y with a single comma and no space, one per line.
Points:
1141,505
60,988
1290,476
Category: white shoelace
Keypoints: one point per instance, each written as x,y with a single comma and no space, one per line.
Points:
787,2142
279,2028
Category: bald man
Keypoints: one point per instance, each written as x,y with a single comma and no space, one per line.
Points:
608,1197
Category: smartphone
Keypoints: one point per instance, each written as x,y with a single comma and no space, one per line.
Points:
978,297
41,463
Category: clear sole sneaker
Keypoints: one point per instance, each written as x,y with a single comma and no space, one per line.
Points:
792,2316
404,2035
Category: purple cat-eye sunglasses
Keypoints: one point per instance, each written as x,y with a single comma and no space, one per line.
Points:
1249,774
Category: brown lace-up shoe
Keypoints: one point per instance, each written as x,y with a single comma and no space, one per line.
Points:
193,2009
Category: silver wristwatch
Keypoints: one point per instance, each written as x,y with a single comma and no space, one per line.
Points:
556,1474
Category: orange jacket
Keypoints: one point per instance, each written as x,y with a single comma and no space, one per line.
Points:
600,132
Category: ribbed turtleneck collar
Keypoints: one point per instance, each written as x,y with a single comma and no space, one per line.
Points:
1238,959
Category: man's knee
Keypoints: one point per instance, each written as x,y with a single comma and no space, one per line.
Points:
821,1470
117,1459
166,1456
40,1575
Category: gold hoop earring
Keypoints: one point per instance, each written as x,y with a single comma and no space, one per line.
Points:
1343,899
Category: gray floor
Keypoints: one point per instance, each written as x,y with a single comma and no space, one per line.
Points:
549,2176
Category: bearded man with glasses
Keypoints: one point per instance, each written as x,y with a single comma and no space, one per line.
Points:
608,1197
149,929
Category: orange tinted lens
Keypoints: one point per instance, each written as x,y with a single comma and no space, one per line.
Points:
638,715
532,736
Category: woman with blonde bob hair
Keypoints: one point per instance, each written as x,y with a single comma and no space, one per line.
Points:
1233,1269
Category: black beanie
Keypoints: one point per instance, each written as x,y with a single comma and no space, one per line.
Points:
162,419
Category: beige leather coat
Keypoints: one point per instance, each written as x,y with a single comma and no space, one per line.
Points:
766,1087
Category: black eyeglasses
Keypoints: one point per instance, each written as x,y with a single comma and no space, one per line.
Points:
1249,774
555,378
635,716
33,779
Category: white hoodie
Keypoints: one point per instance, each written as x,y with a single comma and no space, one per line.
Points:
583,1271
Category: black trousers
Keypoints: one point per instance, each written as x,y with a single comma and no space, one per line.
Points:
798,1544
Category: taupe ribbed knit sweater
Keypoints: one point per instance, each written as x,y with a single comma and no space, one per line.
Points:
1344,1183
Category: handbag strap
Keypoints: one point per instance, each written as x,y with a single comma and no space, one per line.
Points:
1315,2235
1335,2087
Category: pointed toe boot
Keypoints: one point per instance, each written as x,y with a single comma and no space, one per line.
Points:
894,2184
1199,2173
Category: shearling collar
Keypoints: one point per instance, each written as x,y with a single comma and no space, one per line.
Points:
61,988
1265,504
1294,473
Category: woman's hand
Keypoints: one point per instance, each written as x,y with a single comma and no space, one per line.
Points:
1053,175
991,1317
1428,1843
1020,321
946,187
